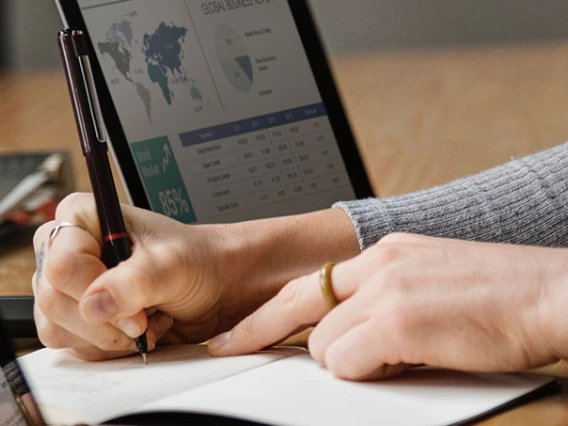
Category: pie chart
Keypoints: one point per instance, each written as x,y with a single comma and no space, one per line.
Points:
234,58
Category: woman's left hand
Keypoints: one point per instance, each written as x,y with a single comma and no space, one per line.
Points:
416,300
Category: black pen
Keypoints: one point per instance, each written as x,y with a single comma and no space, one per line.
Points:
117,245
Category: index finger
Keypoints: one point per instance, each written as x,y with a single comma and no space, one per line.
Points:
299,305
80,208
70,262
69,256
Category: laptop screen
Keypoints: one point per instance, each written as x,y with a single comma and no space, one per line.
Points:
219,106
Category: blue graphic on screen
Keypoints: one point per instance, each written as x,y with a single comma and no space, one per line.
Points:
246,65
163,53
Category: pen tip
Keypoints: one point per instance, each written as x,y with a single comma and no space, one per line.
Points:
145,358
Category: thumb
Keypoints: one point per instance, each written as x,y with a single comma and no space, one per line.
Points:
120,296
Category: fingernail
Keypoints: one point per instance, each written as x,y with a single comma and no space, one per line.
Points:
163,323
100,307
129,327
220,340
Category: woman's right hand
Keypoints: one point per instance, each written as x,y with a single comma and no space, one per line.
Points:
183,284
172,276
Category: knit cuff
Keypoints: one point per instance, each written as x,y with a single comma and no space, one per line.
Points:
369,218
524,201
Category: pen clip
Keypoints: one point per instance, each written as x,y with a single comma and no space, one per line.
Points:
92,98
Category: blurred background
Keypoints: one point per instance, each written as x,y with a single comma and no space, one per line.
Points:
28,27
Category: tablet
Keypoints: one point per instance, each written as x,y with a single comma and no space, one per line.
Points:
220,111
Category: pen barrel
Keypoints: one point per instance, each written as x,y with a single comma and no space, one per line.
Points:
116,250
72,44
117,245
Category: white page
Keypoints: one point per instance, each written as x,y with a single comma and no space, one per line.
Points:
298,391
69,390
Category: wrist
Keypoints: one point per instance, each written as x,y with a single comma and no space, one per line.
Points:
264,255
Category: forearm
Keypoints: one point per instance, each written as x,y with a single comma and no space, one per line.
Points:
523,202
268,253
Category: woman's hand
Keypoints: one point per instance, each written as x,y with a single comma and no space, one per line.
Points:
415,300
184,284
97,312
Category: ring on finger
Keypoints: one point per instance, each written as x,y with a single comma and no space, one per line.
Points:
326,285
59,227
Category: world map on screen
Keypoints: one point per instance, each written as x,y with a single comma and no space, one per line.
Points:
153,58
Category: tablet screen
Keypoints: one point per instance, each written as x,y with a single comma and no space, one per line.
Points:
220,107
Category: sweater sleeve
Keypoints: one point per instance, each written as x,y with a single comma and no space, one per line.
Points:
522,202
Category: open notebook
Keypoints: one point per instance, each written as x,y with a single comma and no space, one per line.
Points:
284,386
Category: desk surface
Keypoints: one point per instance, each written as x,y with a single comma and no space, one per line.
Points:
421,119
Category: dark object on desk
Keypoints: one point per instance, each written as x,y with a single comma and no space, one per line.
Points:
182,419
31,185
18,314
14,237
18,405
9,228
17,310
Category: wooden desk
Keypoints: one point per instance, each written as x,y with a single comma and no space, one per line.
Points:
421,119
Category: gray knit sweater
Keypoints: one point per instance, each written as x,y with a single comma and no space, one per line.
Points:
524,201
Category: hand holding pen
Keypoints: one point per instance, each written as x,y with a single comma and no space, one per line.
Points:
117,245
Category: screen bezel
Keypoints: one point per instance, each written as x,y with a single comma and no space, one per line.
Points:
319,64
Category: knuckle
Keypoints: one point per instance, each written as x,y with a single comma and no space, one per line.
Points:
291,294
47,303
389,254
69,203
59,269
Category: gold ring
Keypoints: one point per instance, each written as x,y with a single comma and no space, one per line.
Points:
59,227
326,286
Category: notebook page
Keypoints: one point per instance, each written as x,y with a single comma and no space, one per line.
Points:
298,391
69,390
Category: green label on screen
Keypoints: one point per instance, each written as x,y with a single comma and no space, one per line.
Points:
162,179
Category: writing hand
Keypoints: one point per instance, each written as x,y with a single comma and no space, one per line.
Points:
416,300
95,312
